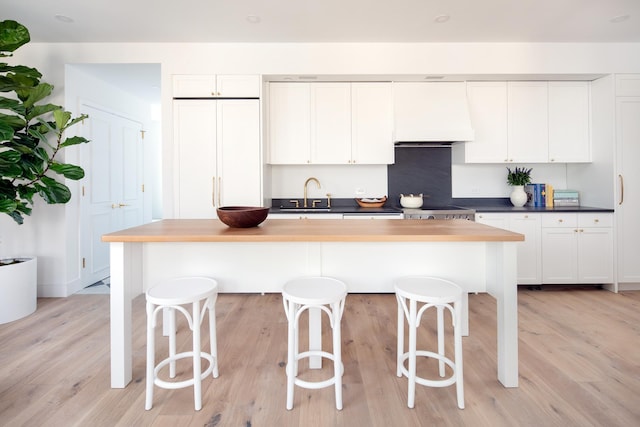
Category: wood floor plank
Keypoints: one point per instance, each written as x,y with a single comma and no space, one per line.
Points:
579,366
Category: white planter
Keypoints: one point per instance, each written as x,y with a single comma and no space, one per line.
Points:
518,196
18,290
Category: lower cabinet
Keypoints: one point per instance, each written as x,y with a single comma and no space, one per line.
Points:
529,260
577,248
560,248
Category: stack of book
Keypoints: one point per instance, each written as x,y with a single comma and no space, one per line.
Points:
539,195
566,198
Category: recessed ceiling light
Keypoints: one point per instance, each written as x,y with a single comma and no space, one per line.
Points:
253,19
618,19
441,19
64,18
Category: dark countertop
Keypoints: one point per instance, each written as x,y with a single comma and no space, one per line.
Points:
558,209
487,205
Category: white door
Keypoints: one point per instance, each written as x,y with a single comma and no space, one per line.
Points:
112,191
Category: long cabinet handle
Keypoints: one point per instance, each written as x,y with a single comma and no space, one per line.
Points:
219,189
213,191
621,189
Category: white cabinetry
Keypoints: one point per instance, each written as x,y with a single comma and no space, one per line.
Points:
373,216
529,122
577,248
569,122
628,177
371,123
431,112
488,111
305,215
289,123
217,155
528,224
216,86
330,123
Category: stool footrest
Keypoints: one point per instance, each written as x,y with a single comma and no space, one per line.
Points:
316,384
431,383
171,385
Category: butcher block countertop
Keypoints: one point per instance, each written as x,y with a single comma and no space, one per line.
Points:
317,230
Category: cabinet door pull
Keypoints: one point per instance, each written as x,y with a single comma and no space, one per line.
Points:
213,191
621,189
219,190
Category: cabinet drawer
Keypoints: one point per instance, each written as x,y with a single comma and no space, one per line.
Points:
595,220
559,220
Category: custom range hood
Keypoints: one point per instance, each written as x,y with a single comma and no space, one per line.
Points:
431,113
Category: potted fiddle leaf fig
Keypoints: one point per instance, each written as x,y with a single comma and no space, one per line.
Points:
31,139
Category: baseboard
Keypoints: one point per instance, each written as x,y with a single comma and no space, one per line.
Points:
628,287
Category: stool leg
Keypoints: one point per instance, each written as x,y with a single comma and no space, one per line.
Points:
457,331
412,353
400,347
150,356
440,310
171,314
213,340
291,368
337,353
197,368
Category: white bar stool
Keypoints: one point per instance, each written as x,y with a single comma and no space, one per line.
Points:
328,295
171,295
441,294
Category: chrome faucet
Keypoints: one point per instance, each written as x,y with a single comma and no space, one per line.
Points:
306,183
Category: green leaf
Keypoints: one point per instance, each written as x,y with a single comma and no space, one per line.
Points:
29,96
7,206
61,117
12,36
39,110
69,171
6,132
74,140
53,191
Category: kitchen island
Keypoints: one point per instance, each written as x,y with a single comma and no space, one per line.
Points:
367,255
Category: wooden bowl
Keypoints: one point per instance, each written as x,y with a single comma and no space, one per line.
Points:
242,216
364,204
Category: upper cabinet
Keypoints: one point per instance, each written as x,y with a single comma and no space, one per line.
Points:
430,111
371,123
529,122
569,124
330,123
216,86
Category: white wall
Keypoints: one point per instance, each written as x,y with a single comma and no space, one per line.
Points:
293,58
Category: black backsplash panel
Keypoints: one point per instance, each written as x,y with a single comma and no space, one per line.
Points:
425,170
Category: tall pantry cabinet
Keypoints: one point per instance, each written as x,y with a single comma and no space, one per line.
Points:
217,154
628,177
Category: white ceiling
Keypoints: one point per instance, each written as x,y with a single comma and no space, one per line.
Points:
327,20
315,21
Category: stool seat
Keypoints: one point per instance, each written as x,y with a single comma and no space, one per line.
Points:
184,290
168,297
304,294
443,295
314,290
428,289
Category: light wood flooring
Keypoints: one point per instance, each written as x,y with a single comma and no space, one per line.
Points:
579,366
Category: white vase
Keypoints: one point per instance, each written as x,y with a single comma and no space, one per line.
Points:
18,290
518,196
